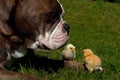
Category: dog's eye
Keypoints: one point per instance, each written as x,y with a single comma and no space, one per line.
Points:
54,15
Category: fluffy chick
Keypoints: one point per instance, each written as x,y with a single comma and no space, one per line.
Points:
69,53
92,61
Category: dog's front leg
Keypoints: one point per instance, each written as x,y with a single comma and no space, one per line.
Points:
10,75
7,74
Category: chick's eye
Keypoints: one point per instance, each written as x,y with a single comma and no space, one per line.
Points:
71,48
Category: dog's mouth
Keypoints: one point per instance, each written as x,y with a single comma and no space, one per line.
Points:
57,38
55,42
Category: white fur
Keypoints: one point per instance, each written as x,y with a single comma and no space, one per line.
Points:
21,52
17,54
63,11
9,56
34,45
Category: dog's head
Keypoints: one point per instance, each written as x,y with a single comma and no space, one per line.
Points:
41,21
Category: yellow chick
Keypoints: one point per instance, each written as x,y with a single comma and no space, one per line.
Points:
69,53
92,62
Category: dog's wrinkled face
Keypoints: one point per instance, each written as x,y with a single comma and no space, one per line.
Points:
42,22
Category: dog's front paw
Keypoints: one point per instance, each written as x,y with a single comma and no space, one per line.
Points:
74,65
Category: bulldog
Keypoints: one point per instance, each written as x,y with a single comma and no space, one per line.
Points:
29,24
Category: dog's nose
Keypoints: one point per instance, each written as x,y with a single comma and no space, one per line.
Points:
66,27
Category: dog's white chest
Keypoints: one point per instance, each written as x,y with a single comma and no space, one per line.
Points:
21,52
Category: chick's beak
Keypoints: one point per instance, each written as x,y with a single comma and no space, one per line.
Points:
73,50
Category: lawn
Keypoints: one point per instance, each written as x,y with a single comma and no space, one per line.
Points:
94,25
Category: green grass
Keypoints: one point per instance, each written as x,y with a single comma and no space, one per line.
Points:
94,25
